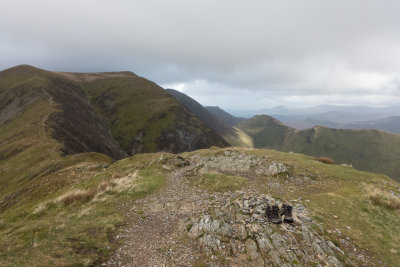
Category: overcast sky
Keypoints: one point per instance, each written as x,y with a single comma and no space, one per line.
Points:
230,53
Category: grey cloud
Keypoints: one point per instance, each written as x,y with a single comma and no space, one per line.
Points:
271,49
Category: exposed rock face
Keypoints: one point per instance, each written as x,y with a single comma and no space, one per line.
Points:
188,134
202,113
247,165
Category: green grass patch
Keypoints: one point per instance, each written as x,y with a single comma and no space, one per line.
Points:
220,182
78,231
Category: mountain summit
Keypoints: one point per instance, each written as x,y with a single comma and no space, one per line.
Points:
115,113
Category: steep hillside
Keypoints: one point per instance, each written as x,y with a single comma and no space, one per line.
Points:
232,135
71,120
224,116
142,116
202,113
369,150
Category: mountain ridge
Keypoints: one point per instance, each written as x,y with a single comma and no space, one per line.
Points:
224,116
74,93
371,150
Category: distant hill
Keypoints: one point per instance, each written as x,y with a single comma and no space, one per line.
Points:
369,150
321,109
232,135
202,113
324,115
339,117
309,123
390,124
266,131
224,116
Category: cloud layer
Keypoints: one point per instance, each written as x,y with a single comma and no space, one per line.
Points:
237,54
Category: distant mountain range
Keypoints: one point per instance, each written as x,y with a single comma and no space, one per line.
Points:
305,112
363,149
341,117
389,124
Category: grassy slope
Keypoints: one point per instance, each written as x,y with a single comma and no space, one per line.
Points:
26,151
73,122
131,104
369,150
135,106
43,229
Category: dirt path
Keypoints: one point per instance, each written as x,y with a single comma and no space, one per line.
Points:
151,237
51,101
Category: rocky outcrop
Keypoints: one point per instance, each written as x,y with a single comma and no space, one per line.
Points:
188,134
234,163
242,232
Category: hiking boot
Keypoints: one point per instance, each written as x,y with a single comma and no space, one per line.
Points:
275,218
287,213
282,210
268,212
